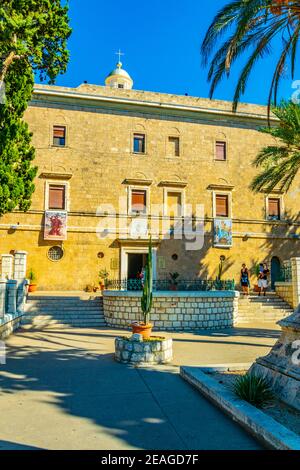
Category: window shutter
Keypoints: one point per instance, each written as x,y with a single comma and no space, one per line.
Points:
220,150
57,197
59,136
222,205
59,132
274,208
138,201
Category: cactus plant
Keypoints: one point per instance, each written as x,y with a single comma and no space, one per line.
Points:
147,296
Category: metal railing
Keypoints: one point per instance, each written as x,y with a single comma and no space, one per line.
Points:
285,274
167,285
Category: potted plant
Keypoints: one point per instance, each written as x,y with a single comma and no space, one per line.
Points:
145,328
219,281
103,275
256,272
32,284
173,281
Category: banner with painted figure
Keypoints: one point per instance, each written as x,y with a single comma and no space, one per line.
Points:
55,225
223,232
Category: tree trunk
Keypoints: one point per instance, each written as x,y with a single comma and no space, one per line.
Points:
6,64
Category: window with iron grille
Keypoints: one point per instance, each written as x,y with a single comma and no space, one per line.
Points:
55,253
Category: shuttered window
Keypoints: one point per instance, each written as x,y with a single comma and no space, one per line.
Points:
222,205
138,201
59,136
139,143
173,147
221,151
57,196
274,209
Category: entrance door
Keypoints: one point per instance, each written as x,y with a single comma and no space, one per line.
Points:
136,262
275,271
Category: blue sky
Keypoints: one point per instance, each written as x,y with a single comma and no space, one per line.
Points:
161,40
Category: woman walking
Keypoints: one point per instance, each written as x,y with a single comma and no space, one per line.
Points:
245,282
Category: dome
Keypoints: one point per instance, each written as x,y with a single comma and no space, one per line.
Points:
119,78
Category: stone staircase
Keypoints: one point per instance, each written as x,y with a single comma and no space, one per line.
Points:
64,310
263,309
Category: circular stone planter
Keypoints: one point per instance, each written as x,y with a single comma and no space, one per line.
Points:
154,351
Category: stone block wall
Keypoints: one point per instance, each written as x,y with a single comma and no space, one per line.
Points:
174,310
285,291
149,352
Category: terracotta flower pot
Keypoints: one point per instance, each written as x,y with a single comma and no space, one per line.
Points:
32,287
142,329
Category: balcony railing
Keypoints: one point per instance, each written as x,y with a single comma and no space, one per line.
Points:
167,285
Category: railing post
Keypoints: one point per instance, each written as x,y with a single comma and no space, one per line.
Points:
295,265
21,295
7,266
2,297
20,265
11,296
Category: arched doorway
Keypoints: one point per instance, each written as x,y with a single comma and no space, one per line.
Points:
275,271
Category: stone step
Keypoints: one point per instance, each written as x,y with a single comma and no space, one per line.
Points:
78,303
63,308
65,314
262,310
41,324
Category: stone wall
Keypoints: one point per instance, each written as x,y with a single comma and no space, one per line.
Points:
285,291
174,310
144,352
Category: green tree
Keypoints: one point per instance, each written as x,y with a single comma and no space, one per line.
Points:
36,31
33,35
251,26
280,162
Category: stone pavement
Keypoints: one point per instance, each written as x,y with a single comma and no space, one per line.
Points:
61,389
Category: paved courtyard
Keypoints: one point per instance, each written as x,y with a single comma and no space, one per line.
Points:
61,389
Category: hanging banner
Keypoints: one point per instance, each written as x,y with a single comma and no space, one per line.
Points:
223,233
55,225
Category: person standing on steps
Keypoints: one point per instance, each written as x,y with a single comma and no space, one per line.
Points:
245,282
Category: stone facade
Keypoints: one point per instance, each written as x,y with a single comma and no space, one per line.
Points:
173,311
285,291
98,161
143,352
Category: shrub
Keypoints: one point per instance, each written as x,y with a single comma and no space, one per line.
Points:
253,389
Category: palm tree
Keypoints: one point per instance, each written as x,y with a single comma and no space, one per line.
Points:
251,26
281,161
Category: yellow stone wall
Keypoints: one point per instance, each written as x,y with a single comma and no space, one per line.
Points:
285,291
98,157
